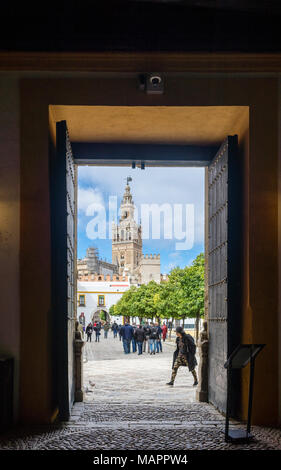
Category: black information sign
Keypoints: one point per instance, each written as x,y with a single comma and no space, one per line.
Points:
239,358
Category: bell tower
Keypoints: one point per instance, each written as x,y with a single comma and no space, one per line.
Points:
126,236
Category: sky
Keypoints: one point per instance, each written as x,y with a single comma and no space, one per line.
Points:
177,234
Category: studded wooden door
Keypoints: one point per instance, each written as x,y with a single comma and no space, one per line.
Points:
66,267
223,265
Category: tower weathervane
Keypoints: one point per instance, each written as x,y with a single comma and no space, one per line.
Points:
129,179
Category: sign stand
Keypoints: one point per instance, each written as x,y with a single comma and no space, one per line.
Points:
238,359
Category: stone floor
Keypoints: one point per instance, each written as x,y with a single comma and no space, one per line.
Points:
131,378
128,407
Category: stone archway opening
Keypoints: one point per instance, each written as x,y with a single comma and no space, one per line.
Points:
101,315
85,153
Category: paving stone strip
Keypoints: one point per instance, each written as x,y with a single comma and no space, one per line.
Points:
129,407
124,427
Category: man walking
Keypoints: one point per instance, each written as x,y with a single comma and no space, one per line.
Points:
146,335
184,355
158,338
97,331
152,339
127,335
134,344
89,331
164,331
119,332
139,335
115,329
106,329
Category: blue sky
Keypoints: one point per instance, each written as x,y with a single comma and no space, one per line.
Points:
183,187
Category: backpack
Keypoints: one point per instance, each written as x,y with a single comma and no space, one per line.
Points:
153,333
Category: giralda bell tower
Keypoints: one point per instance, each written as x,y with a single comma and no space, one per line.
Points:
126,236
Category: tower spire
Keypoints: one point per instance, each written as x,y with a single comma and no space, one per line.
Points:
126,235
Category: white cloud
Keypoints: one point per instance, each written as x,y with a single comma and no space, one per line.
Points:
151,186
89,197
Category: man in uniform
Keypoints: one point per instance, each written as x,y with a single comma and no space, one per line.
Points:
184,355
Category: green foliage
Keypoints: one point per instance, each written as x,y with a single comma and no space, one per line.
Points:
189,287
103,315
182,296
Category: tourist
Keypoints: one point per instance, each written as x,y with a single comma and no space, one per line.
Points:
184,355
164,331
127,332
119,331
139,336
158,338
106,329
115,329
152,338
146,336
97,329
89,331
134,344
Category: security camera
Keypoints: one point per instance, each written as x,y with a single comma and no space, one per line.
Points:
154,84
155,80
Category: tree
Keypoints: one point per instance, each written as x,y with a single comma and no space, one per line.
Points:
124,306
183,295
103,315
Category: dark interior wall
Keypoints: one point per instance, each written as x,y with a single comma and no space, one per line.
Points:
10,224
259,282
143,25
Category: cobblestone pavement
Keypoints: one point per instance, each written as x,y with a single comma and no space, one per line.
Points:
155,418
132,378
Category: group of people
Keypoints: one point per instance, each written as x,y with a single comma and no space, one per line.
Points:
142,337
149,337
97,327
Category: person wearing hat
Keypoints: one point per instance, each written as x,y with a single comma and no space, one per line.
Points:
184,355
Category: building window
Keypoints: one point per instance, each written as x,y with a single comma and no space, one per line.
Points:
101,300
82,301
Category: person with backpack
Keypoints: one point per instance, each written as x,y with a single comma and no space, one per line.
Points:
119,332
97,329
106,328
127,333
152,338
115,329
139,335
158,338
146,329
89,331
184,355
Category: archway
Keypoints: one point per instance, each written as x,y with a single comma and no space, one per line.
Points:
221,241
100,315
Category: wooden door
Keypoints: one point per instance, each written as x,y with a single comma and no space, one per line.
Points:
224,279
65,265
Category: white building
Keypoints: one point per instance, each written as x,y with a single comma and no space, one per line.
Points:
98,294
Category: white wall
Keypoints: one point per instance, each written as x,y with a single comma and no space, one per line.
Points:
112,291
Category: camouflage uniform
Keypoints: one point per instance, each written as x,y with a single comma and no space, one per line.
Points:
181,361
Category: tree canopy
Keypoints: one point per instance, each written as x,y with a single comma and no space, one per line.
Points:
182,296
